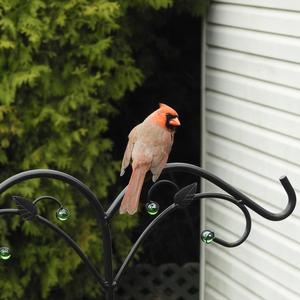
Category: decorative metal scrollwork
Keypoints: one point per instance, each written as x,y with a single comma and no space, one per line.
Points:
182,198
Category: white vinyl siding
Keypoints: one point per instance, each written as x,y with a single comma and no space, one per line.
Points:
252,137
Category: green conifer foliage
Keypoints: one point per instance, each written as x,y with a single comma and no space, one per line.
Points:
63,65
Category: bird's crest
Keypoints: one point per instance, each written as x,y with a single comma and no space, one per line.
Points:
167,109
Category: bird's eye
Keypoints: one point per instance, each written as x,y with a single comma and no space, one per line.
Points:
169,116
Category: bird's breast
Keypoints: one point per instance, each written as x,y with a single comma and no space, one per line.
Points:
151,141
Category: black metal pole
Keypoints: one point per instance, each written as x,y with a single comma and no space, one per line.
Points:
108,261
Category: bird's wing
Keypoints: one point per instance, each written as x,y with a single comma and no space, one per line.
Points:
156,171
161,157
128,152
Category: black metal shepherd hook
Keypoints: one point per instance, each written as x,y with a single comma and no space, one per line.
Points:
182,198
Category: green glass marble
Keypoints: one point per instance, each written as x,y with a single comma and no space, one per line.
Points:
62,214
207,236
152,208
5,253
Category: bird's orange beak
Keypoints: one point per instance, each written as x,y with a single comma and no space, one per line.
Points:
174,122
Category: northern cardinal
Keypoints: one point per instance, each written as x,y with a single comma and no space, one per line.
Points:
148,148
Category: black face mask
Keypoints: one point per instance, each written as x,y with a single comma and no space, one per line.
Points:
168,125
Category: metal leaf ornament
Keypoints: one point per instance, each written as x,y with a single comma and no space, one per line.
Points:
26,208
185,196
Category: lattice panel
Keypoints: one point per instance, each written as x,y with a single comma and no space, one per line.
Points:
165,282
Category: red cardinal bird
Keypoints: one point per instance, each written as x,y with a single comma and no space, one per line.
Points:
148,148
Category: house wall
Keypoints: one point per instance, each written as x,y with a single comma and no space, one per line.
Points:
251,106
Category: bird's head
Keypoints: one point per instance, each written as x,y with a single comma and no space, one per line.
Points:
166,117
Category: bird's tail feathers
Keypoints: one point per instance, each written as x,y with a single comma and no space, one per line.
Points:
131,198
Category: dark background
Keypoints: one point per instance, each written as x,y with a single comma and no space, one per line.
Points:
170,56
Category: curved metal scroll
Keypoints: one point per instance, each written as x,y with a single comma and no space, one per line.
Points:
93,200
202,173
181,197
236,197
240,205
